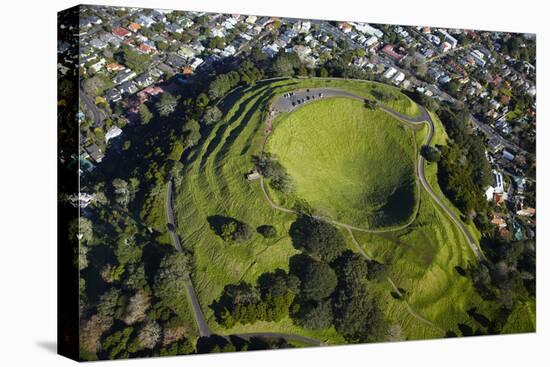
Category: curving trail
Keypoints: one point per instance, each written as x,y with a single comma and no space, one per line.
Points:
285,104
202,324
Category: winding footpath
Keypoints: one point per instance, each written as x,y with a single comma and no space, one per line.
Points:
287,104
200,321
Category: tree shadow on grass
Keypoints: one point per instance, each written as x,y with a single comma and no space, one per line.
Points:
217,222
480,318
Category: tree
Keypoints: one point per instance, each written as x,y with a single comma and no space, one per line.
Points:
267,231
167,104
116,345
145,114
284,64
192,132
216,42
278,283
121,191
234,231
109,303
371,104
318,281
350,267
431,154
319,239
228,231
133,59
315,315
137,307
202,101
212,115
149,335
356,315
171,277
127,250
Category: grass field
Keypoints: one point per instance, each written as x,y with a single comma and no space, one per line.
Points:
422,258
349,163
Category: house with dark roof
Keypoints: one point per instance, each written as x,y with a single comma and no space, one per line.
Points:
94,152
144,80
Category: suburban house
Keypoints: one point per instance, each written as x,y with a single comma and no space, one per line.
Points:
124,76
113,95
114,67
121,32
145,21
144,80
128,87
113,132
94,152
134,27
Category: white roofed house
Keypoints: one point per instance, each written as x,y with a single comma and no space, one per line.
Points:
251,19
271,50
371,41
145,21
399,77
389,73
98,65
113,132
197,61
98,43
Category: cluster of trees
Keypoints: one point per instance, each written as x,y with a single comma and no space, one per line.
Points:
508,274
333,284
274,171
506,277
135,301
325,286
269,300
219,344
247,73
230,229
133,59
463,168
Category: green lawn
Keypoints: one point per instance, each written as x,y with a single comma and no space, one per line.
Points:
349,163
422,258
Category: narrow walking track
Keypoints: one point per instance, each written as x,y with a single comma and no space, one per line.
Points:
202,325
287,104
424,117
411,311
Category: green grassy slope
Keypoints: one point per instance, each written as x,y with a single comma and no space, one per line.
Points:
422,257
349,163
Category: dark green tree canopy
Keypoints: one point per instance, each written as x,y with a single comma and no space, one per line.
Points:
318,281
318,239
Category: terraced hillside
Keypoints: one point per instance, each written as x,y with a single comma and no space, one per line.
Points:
422,259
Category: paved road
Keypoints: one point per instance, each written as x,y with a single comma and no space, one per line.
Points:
286,104
97,114
202,325
201,322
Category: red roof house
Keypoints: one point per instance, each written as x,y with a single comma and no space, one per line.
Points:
121,32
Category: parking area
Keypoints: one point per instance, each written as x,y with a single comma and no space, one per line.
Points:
291,100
